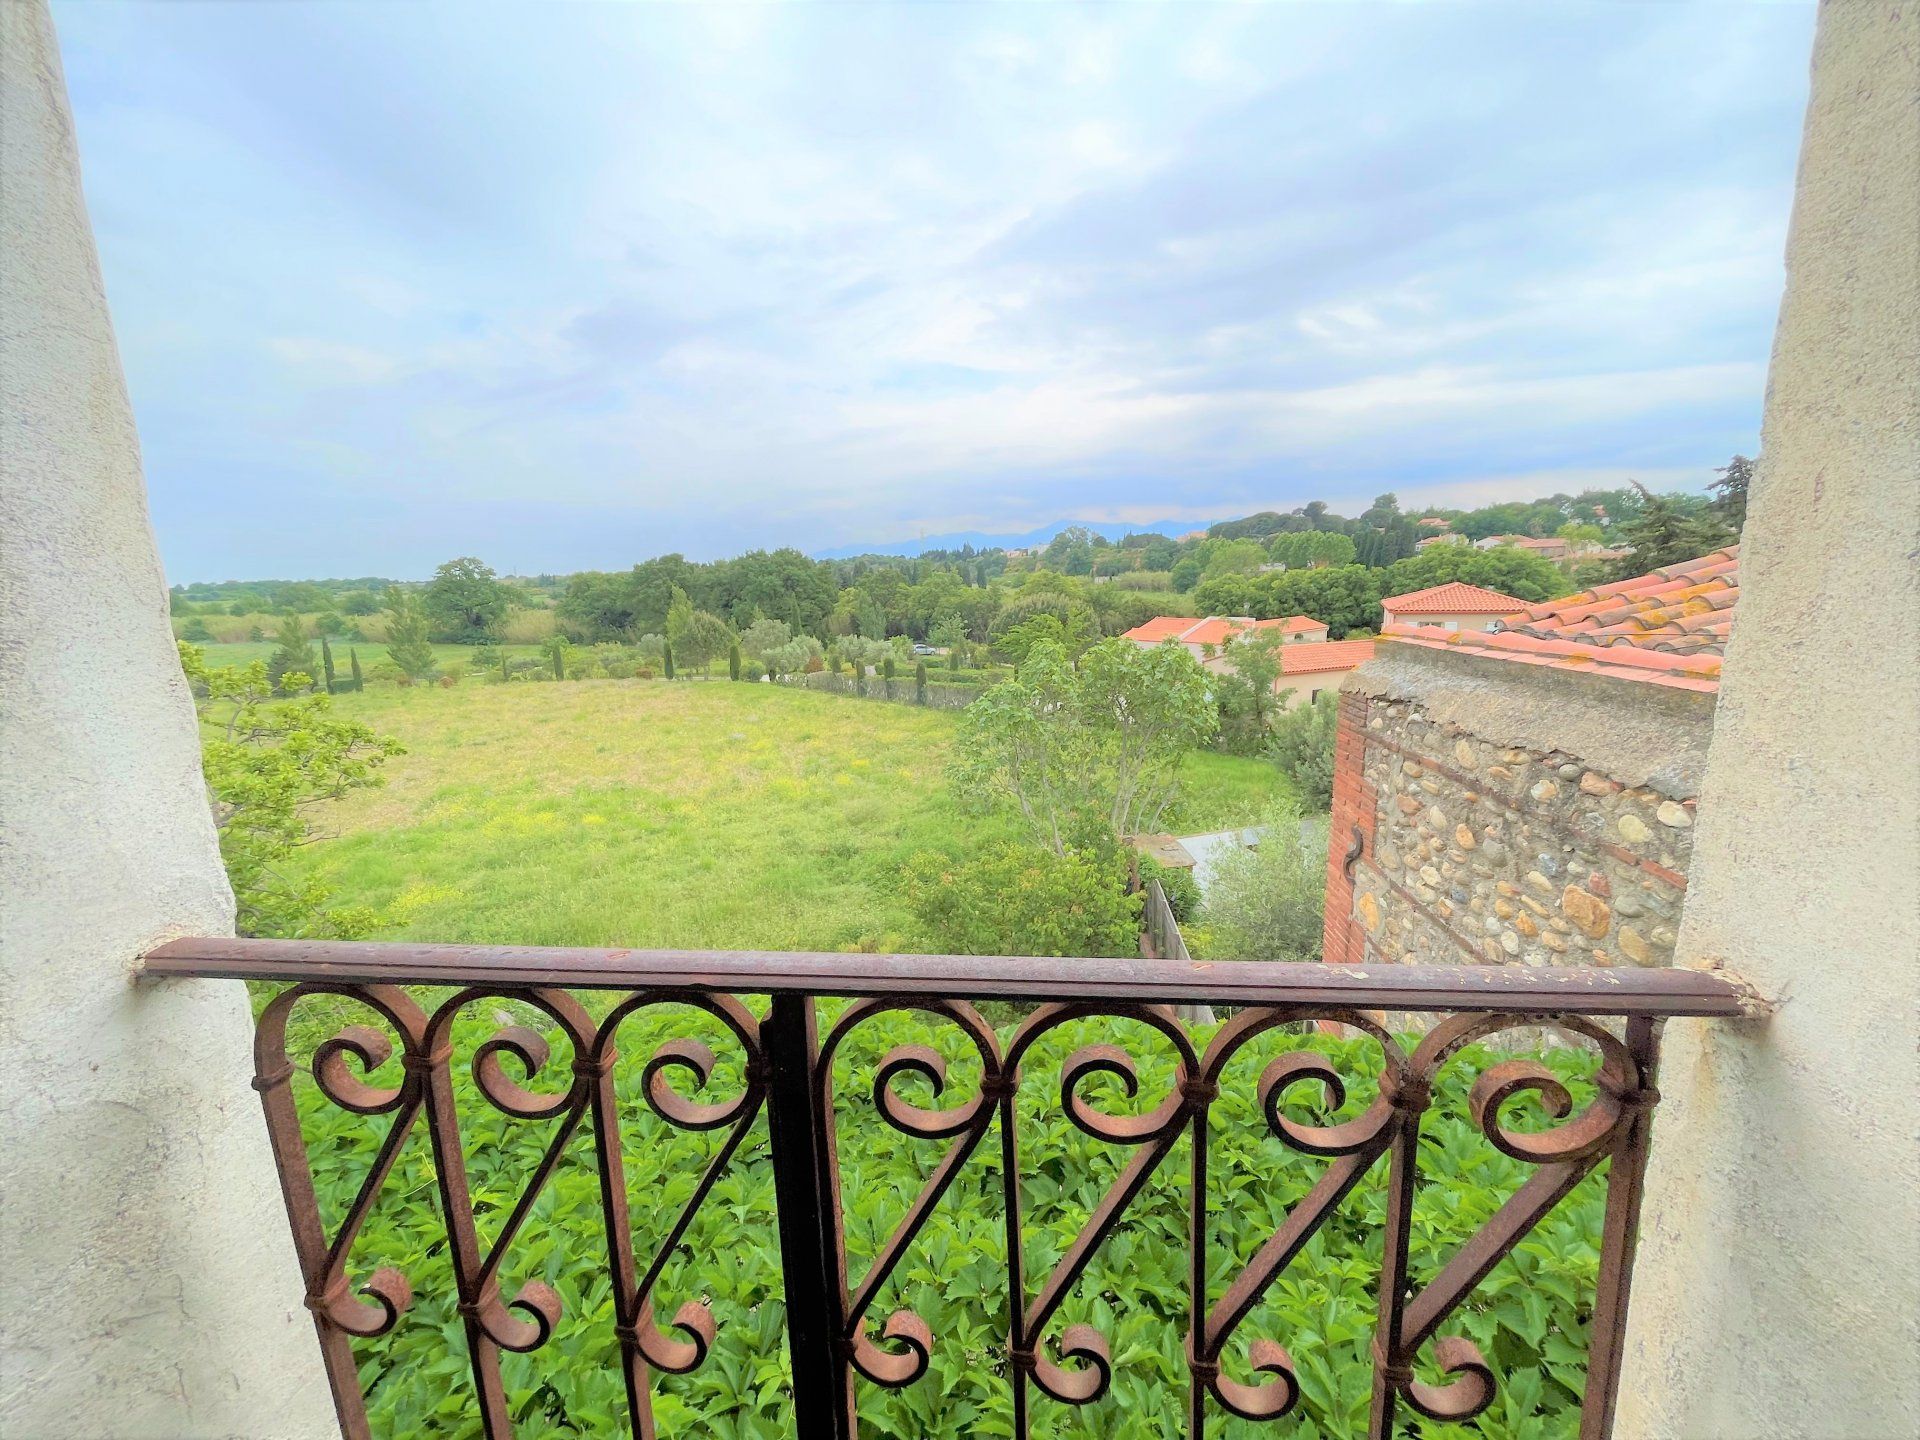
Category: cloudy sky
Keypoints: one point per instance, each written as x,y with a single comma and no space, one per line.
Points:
567,286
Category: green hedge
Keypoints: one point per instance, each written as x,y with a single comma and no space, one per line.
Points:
1530,1316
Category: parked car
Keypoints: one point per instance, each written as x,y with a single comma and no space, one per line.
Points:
922,648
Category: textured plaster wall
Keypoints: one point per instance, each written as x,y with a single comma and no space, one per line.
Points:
146,1267
1778,1289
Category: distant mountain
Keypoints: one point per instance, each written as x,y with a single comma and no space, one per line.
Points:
982,540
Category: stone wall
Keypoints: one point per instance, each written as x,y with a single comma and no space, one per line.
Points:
1482,844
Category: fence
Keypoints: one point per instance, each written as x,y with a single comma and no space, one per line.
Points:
788,1069
901,690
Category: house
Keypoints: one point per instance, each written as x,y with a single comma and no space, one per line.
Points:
1453,606
1550,547
1207,637
1306,670
1442,539
1528,795
1494,542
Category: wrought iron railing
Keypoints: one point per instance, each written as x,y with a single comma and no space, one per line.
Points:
787,1069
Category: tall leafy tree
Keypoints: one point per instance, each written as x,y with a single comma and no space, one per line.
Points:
1669,531
269,766
1090,753
1730,490
407,643
292,666
465,602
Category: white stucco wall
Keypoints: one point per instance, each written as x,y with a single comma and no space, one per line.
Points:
149,1289
1778,1289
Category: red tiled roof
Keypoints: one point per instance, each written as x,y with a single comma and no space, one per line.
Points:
1215,629
1669,627
1453,598
1333,655
1292,624
1161,627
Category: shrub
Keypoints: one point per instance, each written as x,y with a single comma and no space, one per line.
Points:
1265,904
1017,899
1177,882
1300,742
195,632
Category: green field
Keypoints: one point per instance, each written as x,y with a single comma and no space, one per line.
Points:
643,813
372,652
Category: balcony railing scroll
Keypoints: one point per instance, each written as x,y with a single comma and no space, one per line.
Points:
837,1339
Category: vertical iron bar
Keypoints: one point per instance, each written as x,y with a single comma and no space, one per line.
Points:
1389,1366
1199,1343
1620,1234
310,1244
1017,1341
620,1264
463,1240
809,1223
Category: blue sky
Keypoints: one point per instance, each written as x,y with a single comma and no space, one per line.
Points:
568,286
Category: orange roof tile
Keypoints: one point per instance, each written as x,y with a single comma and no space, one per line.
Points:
1316,659
1454,598
1215,629
1161,627
1669,627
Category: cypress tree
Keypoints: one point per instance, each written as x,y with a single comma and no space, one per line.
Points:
326,662
733,661
920,682
666,659
505,673
353,666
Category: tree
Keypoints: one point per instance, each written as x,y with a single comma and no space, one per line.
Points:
1245,694
1580,535
466,602
1730,491
1508,569
268,766
407,643
360,602
329,622
555,650
1301,744
1090,753
733,661
797,656
353,668
666,659
920,682
763,637
1265,903
292,665
1668,531
326,662
196,632
1015,899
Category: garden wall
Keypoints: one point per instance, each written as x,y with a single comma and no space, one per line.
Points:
1509,814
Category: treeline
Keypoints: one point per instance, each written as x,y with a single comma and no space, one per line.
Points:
1082,586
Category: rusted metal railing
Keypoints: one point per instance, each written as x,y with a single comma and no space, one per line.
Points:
788,1071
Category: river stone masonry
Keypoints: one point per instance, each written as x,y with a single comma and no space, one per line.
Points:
1462,832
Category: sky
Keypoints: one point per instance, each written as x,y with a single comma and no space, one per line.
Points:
567,286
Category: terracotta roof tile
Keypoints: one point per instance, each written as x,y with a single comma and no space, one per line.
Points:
1215,629
1453,598
1317,659
1668,627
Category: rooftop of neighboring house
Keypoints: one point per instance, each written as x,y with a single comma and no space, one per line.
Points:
1543,542
1317,659
1216,629
1669,627
1453,598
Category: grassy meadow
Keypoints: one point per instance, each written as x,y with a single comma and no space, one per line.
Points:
643,813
